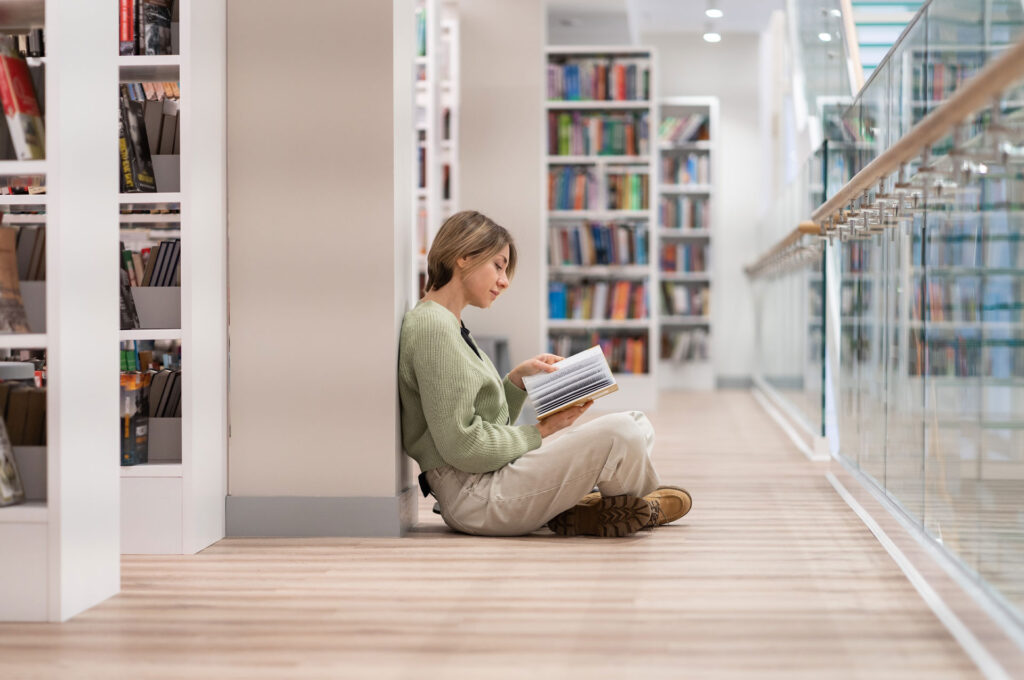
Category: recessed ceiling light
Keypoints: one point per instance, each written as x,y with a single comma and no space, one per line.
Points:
825,37
712,37
714,13
836,13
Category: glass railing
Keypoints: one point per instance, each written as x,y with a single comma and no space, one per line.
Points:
923,288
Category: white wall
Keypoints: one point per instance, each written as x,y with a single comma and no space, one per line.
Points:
688,66
314,230
501,153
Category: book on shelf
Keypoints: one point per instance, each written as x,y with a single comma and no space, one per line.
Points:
682,129
685,345
693,169
684,212
684,258
598,243
624,353
573,187
681,299
579,378
134,419
12,310
572,78
587,133
144,27
136,162
628,190
21,105
12,491
597,301
23,407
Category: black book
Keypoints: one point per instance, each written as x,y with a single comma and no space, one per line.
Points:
155,33
129,315
140,162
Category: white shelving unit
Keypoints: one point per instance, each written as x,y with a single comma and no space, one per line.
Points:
636,390
178,508
687,374
436,93
60,550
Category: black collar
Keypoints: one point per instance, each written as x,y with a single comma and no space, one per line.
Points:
465,336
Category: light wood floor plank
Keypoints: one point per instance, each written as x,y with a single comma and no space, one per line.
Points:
770,576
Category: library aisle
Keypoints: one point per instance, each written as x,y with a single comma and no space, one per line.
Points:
744,586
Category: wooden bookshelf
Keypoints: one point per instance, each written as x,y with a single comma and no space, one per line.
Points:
436,125
60,549
602,159
178,507
692,372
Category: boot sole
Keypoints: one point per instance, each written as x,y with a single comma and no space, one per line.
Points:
611,517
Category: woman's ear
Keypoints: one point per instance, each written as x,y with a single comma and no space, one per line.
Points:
462,262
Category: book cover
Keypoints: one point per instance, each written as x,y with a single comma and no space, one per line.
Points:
21,107
11,489
129,315
578,378
155,29
140,162
126,39
12,310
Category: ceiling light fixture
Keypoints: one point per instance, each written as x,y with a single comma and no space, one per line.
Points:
825,37
712,36
712,12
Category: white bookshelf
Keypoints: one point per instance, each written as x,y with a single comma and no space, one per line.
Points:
694,373
60,550
178,507
435,93
636,390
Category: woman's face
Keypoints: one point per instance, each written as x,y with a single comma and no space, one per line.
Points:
484,284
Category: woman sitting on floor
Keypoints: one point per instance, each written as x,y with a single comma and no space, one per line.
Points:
490,477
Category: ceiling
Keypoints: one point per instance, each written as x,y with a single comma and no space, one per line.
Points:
661,16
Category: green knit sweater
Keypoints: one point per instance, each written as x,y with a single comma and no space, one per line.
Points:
456,409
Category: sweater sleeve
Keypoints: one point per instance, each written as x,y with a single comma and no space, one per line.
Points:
463,439
515,398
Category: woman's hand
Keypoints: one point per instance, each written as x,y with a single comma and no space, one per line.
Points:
562,419
539,364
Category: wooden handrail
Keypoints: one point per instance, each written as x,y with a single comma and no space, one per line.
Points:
855,68
975,94
805,228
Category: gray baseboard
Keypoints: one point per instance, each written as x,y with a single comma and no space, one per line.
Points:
300,516
734,382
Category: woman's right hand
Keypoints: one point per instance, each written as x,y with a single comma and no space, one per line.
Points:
562,419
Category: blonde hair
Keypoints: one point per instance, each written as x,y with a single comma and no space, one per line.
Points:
471,235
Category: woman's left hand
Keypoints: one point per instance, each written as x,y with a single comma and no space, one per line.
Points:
539,364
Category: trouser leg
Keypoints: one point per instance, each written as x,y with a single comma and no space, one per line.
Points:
611,452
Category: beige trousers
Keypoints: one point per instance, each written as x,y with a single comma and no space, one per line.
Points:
611,452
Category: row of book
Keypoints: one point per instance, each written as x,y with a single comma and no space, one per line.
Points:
682,129
598,243
628,191
136,162
144,27
597,300
624,353
161,104
146,268
21,104
573,188
31,44
998,299
599,79
961,246
688,345
23,407
680,299
684,257
935,81
586,133
684,212
31,244
695,168
150,355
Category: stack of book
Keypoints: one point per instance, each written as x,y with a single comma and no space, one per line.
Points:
684,257
694,169
679,299
628,191
685,345
573,188
682,129
624,353
23,407
146,268
684,212
145,27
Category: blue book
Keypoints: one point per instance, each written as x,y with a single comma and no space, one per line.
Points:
556,300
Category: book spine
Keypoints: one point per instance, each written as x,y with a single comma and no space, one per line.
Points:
21,109
126,45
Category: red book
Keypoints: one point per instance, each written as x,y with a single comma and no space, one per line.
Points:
20,106
126,44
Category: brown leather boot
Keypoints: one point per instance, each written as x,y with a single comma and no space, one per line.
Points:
673,502
611,516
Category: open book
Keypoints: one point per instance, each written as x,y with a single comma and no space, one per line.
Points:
579,378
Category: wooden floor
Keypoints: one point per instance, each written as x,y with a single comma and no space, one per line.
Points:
770,576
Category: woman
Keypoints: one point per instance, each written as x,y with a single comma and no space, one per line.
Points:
491,477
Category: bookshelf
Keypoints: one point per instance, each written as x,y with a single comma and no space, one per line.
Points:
687,172
436,120
175,503
600,270
60,549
